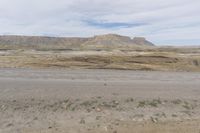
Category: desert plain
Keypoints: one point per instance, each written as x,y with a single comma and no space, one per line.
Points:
98,88
73,101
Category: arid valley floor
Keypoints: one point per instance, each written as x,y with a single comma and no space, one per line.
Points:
101,84
98,101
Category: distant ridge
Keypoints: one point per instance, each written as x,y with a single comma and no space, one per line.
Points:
114,39
67,42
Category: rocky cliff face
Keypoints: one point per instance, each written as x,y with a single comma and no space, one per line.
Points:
142,41
108,39
39,40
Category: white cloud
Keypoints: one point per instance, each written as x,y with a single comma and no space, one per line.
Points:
165,21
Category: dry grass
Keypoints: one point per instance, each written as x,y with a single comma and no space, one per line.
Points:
163,61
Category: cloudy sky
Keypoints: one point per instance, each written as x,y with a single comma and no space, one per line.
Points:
164,22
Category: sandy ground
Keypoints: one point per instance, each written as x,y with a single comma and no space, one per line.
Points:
98,101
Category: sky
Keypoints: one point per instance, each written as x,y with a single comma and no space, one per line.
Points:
164,22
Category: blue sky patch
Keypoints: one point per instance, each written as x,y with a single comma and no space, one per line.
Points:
112,25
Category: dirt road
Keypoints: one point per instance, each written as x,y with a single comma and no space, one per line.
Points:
72,101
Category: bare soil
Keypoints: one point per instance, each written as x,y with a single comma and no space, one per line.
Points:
98,101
